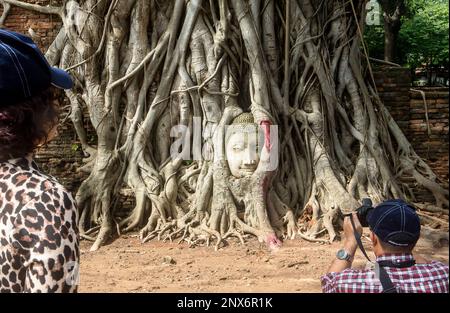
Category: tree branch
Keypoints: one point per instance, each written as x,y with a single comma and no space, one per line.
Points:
6,9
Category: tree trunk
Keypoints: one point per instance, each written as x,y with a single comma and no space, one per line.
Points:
390,41
392,13
143,67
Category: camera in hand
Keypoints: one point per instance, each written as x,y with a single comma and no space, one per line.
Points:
363,210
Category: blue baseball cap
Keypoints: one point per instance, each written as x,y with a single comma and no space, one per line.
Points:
395,222
24,71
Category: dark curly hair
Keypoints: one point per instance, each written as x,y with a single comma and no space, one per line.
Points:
25,125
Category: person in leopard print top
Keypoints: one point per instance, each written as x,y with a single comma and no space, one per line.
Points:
39,239
38,232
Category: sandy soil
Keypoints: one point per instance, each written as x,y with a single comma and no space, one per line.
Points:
126,265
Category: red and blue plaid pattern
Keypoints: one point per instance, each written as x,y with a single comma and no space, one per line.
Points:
420,278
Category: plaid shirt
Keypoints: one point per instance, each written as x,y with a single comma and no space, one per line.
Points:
420,278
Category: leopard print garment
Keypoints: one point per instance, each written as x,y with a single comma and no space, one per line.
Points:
39,244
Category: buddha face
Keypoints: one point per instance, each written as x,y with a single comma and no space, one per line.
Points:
241,150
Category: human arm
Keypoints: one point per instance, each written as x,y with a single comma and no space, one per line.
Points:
330,281
349,245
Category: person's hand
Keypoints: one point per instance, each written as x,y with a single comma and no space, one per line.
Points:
350,242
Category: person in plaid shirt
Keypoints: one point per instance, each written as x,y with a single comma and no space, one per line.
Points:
395,229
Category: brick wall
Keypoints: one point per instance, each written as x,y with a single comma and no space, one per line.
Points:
429,140
45,26
393,84
63,157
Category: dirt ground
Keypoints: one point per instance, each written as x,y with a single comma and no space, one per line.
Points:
126,265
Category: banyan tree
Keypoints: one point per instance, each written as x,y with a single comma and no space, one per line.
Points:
289,79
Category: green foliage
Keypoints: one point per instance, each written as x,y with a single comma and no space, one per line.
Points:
374,38
414,6
424,37
75,147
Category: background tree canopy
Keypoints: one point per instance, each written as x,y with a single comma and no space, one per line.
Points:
423,37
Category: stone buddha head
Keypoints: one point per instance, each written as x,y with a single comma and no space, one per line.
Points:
241,146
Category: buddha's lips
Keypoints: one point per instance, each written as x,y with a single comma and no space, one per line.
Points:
248,168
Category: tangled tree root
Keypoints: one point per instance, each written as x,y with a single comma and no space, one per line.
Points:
143,66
